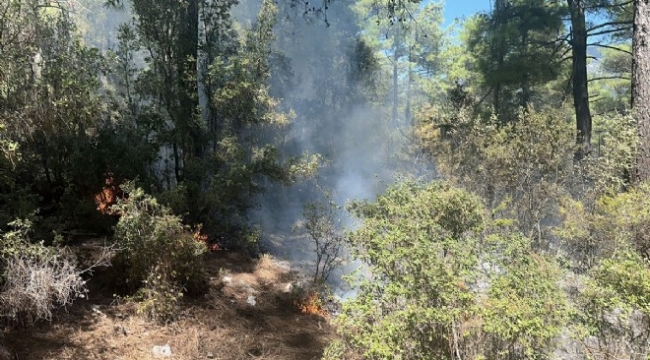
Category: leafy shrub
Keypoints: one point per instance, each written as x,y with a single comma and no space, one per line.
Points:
524,309
528,165
444,284
499,162
158,255
614,221
335,350
614,305
419,242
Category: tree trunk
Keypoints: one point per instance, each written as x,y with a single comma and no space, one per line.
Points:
188,75
407,111
641,85
498,43
579,79
525,80
395,89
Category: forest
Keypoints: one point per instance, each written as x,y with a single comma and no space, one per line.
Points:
324,179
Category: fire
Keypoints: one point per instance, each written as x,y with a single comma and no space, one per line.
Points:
313,304
204,239
109,196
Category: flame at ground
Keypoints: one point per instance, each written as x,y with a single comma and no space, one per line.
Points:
198,236
313,304
109,196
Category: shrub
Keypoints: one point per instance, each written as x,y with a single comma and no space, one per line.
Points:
159,256
615,308
444,284
420,243
326,234
528,164
335,350
35,279
524,309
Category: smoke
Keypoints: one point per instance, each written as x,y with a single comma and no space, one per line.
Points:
342,103
341,96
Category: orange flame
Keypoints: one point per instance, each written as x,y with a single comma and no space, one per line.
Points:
204,239
312,304
108,196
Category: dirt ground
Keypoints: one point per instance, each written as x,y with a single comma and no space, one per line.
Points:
222,324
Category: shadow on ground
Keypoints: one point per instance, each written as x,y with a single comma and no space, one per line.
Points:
221,324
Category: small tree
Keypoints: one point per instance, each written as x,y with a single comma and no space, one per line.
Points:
324,229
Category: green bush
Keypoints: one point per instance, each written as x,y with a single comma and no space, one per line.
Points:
158,256
614,307
335,350
445,285
524,309
528,165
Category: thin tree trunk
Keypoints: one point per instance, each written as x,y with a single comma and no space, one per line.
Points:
497,99
395,94
525,80
177,165
641,85
407,111
579,78
187,66
500,10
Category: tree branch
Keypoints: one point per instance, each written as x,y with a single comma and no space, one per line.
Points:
611,23
484,97
610,47
604,32
613,77
608,6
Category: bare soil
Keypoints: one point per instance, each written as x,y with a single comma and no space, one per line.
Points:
218,325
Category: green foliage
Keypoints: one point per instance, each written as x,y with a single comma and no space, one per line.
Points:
614,221
628,215
524,310
500,162
610,88
443,285
335,350
157,254
613,306
421,246
17,241
626,277
515,50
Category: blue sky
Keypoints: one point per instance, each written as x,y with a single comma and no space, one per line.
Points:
458,8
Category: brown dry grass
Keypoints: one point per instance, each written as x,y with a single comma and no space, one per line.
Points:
220,323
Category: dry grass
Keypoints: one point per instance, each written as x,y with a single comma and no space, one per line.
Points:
221,323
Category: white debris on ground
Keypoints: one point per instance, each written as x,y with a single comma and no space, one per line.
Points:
161,351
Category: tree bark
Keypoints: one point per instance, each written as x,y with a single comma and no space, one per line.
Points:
395,89
641,85
188,75
579,79
498,43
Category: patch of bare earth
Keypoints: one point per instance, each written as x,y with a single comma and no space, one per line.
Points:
222,324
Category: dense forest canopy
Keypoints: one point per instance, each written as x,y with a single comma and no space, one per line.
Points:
490,177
